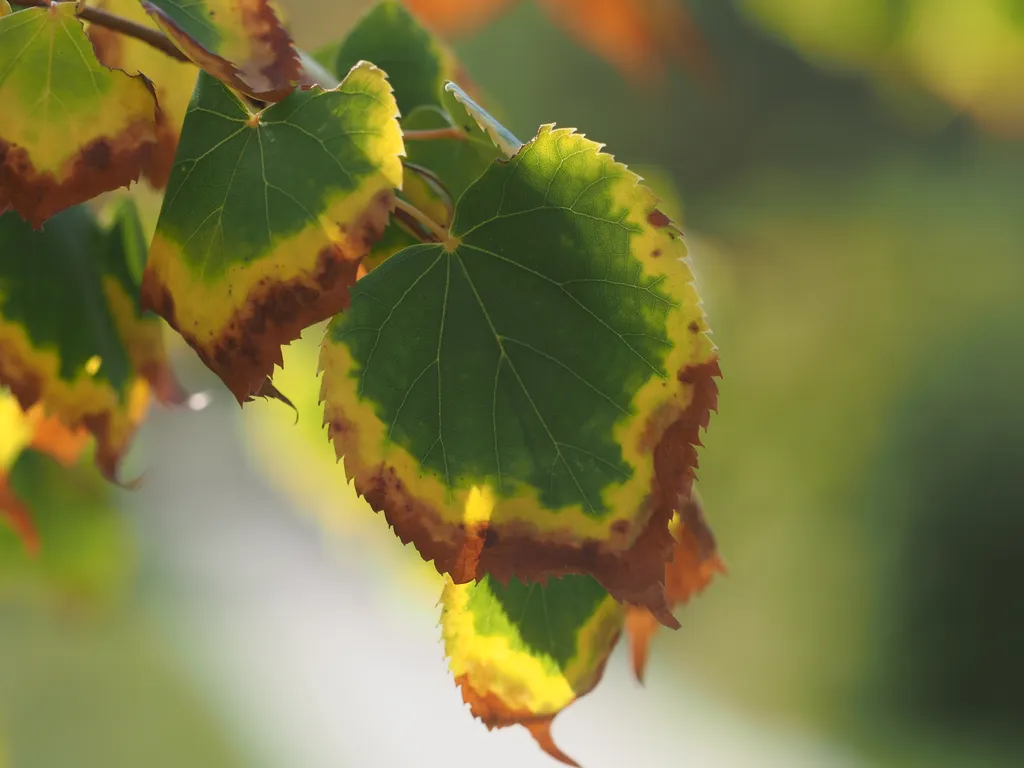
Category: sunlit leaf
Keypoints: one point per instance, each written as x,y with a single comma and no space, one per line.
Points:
525,398
69,127
695,561
249,250
5,8
240,42
172,80
71,335
417,63
522,653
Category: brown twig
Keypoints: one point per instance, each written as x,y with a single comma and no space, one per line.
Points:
148,35
432,134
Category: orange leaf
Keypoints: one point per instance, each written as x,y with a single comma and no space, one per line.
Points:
694,563
51,436
457,17
14,511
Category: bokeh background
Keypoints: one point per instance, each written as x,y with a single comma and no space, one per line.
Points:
850,176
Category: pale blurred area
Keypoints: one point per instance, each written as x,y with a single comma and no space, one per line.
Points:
851,183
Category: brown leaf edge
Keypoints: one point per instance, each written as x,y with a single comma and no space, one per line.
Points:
14,512
282,71
634,576
276,312
695,562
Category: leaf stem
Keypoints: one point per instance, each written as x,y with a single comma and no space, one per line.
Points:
433,134
422,219
100,18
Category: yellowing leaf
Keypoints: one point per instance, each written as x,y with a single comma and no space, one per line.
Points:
525,398
69,128
240,42
694,563
172,80
522,653
267,217
71,332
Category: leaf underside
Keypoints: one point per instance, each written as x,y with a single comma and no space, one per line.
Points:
248,252
69,128
240,42
525,398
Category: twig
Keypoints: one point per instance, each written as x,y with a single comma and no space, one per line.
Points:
437,186
422,219
432,134
148,35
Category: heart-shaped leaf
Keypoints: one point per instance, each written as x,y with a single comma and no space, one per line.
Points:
525,398
240,42
267,217
69,127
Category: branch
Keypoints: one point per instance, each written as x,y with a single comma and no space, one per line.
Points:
432,134
431,226
148,35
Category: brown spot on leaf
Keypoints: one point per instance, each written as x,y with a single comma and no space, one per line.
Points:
656,253
658,219
693,327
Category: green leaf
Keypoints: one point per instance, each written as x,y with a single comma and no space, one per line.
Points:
526,397
417,63
521,653
69,128
240,42
71,335
456,162
267,217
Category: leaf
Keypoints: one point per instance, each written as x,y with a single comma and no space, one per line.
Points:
5,8
525,398
417,63
457,17
67,340
172,80
694,563
522,653
482,128
240,42
70,128
247,250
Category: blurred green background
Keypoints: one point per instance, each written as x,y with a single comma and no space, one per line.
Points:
852,188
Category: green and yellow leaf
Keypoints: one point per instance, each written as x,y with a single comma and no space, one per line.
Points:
249,250
70,128
417,63
172,80
70,330
694,563
522,653
5,8
240,42
525,398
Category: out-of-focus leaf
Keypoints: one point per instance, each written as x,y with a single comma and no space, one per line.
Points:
522,653
240,42
85,554
637,36
695,561
172,80
457,17
70,128
561,315
71,336
5,8
417,63
248,251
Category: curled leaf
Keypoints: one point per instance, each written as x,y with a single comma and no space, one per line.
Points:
247,251
695,561
525,398
172,80
476,121
521,653
69,128
240,42
70,332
